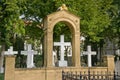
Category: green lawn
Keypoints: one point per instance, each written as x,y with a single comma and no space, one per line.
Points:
1,76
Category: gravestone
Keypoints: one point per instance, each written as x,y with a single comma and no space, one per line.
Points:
30,56
117,63
10,51
89,53
62,44
108,47
117,66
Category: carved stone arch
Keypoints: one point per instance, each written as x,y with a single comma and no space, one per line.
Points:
72,22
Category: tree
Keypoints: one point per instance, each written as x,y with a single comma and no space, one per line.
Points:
94,14
11,26
10,23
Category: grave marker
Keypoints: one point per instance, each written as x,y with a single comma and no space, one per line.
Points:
10,51
89,53
30,55
62,44
117,66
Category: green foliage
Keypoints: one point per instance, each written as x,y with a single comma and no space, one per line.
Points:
113,30
38,60
61,29
95,15
98,19
1,76
10,23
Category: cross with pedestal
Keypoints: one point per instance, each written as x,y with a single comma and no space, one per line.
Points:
62,44
89,53
10,51
30,55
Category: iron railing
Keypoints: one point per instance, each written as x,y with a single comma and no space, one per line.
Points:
90,75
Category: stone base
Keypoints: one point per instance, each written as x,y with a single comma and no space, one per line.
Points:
62,63
31,66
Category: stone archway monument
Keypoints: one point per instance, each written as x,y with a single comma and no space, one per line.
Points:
73,22
49,72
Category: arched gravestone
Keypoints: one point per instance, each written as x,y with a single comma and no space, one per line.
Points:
73,22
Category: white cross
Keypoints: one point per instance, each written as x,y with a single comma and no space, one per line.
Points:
10,51
89,53
30,55
62,44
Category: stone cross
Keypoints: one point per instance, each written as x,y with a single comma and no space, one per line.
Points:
10,51
62,44
30,55
89,53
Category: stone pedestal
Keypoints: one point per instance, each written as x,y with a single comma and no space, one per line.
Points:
9,67
62,63
109,62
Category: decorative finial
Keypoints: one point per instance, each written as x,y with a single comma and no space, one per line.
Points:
63,7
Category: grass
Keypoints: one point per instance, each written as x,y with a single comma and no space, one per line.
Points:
1,76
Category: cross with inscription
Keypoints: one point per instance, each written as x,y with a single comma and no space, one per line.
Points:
89,53
62,44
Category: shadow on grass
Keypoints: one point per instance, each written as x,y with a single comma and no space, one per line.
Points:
1,76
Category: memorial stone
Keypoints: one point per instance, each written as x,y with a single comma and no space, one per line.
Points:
89,53
30,56
10,51
62,44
